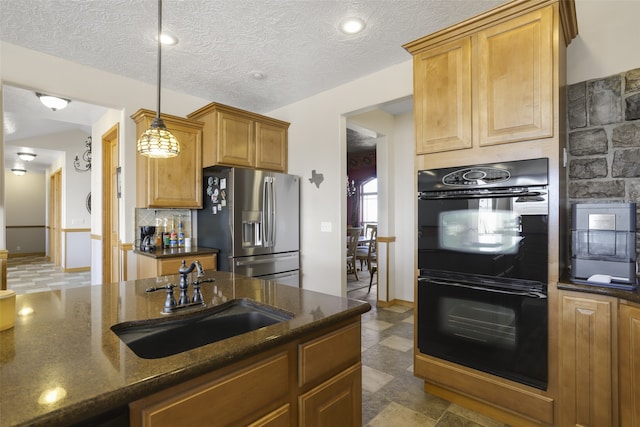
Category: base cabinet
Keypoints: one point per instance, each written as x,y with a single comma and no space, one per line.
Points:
154,267
587,365
336,402
314,381
629,365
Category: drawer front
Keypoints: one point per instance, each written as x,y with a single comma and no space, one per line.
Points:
258,389
323,357
170,266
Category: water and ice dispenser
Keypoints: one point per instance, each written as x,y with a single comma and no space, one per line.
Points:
603,244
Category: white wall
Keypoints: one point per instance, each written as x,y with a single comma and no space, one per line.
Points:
317,141
25,206
607,41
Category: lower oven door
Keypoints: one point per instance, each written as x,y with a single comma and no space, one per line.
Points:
496,330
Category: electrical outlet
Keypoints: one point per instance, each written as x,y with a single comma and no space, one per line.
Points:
18,248
325,227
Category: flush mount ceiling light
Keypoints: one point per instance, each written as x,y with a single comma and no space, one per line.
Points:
157,141
53,102
27,157
352,25
18,171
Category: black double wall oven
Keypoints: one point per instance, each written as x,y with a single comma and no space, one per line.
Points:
483,261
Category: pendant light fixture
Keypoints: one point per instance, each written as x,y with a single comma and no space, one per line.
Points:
158,141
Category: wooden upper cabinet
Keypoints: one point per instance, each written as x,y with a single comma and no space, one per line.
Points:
629,384
442,93
490,80
175,182
514,67
234,137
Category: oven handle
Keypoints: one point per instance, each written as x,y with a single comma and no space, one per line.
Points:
479,194
529,294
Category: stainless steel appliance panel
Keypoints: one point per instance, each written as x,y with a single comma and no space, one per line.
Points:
250,213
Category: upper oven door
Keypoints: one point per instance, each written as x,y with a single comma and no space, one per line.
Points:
500,235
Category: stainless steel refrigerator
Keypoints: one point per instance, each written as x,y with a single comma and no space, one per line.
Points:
253,218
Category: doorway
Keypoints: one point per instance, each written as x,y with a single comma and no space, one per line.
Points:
111,266
55,217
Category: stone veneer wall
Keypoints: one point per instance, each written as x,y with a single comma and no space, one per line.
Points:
603,118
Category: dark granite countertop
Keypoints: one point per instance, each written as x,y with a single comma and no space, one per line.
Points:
66,344
632,296
176,252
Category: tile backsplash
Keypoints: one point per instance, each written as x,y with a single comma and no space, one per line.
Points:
157,217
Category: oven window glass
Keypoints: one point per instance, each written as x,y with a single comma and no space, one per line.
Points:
478,322
483,231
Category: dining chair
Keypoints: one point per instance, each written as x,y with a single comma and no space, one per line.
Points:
362,252
373,266
353,234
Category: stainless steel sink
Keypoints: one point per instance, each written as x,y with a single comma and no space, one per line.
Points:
156,338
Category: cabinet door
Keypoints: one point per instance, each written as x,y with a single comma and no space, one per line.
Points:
271,147
442,98
337,402
586,366
514,71
629,336
251,393
175,182
236,140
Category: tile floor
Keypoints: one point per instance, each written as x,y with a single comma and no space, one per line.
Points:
391,395
36,274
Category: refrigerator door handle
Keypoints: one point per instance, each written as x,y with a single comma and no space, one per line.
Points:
264,261
268,209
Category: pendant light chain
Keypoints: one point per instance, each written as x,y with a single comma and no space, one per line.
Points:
158,141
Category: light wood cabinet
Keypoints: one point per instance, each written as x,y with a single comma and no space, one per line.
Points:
251,393
234,137
312,381
175,182
588,326
336,402
442,97
629,365
154,267
493,86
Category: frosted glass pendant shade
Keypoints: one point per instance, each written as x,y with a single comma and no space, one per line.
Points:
157,142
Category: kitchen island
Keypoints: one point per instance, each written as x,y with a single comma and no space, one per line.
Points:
62,364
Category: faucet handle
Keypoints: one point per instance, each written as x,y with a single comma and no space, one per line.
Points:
170,302
197,295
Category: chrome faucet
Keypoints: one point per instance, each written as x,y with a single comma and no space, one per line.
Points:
170,304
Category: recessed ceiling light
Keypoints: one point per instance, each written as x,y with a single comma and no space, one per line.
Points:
168,39
352,25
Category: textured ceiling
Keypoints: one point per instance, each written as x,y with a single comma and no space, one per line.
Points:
294,44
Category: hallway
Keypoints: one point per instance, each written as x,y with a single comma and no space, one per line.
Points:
30,274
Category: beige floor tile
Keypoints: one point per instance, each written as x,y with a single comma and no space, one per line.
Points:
397,343
377,325
373,380
398,415
397,308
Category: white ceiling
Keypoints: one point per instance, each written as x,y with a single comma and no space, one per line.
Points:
294,44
